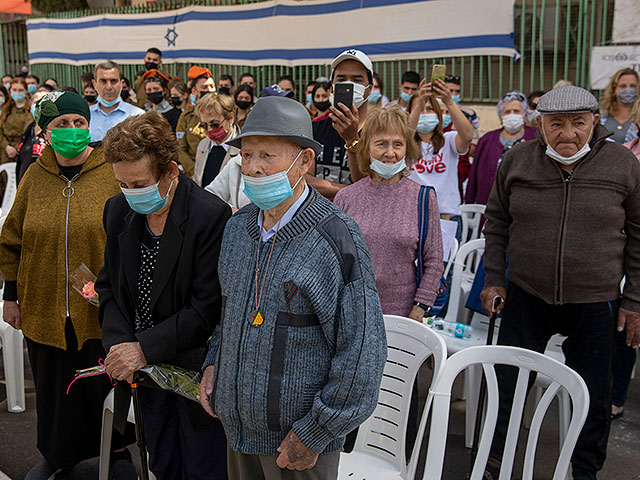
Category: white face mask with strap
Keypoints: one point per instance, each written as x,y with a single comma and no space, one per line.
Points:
550,152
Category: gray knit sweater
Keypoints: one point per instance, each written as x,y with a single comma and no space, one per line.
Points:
316,362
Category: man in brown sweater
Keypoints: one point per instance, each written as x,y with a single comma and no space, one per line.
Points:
565,214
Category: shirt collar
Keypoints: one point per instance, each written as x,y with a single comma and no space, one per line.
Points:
286,218
96,107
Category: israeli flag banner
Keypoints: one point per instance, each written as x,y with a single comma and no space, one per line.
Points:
281,32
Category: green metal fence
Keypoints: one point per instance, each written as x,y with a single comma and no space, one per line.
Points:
554,38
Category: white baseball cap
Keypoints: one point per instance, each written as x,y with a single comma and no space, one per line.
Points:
352,54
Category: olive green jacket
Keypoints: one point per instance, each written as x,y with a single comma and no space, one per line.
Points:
189,133
37,237
11,130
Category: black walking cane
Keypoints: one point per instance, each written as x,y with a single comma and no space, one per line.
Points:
483,383
137,413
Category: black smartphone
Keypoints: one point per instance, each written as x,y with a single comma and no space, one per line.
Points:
343,93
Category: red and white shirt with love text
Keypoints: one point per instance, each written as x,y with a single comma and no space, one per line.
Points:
441,172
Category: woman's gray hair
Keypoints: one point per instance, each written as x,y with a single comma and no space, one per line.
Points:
514,95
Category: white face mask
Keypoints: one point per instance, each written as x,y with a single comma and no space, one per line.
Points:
387,171
567,160
358,94
512,122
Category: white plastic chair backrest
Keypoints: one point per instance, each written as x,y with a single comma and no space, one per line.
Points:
452,256
11,188
526,361
461,267
409,344
471,214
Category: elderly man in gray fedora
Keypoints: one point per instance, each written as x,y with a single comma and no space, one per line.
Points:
298,359
565,212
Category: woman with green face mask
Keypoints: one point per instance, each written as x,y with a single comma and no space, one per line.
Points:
55,226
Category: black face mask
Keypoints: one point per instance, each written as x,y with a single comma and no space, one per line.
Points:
243,104
322,106
90,98
204,93
224,91
176,101
155,97
124,94
150,65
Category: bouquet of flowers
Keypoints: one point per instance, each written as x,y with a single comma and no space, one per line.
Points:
175,379
83,281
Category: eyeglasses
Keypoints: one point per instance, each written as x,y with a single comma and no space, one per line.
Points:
452,78
210,126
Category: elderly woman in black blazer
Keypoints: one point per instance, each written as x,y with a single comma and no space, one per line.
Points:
159,291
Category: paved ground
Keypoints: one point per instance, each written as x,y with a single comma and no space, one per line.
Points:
18,452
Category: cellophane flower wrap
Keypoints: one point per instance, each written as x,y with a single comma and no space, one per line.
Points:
83,281
175,379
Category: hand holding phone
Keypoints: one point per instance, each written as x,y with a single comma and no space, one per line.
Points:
343,93
438,72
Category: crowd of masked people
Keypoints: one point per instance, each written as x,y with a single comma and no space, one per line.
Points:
259,240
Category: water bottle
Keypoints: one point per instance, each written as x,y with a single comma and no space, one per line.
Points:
458,330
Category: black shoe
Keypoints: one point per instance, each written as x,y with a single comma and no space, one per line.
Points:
121,467
42,471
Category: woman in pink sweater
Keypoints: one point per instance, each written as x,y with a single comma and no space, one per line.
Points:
385,206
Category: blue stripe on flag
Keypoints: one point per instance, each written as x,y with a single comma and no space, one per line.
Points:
478,41
207,16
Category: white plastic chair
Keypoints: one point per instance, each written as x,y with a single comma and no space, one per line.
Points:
13,358
561,377
12,186
379,451
464,268
471,214
107,433
452,256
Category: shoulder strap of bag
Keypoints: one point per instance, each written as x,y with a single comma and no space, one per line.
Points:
423,227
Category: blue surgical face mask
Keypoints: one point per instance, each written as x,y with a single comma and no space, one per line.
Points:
146,200
627,96
427,122
269,192
7,85
18,97
456,98
309,98
387,171
446,120
32,89
375,96
193,99
106,104
405,96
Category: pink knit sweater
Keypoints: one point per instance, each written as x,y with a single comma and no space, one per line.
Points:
388,217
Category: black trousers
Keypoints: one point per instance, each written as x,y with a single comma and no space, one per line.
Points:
179,447
623,362
529,322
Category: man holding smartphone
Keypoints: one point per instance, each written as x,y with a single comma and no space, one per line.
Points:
336,165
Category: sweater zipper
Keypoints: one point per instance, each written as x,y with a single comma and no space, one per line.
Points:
67,192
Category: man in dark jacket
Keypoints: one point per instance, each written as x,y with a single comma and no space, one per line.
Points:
566,208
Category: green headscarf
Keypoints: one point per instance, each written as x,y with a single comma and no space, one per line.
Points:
54,104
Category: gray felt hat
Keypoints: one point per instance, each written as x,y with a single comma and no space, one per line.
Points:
568,99
279,117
